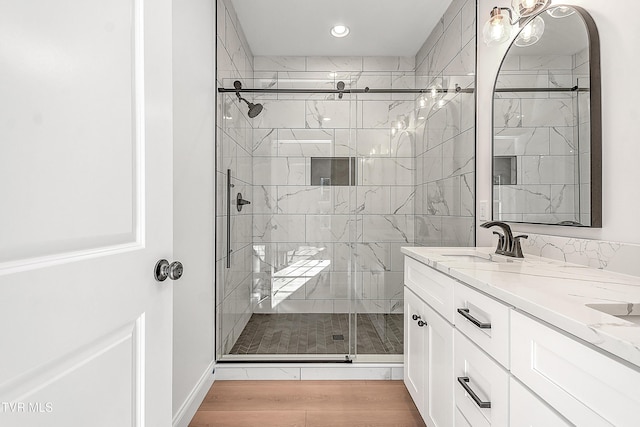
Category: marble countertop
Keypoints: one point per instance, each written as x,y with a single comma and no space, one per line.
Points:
562,294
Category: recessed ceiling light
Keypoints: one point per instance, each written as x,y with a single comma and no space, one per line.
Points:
340,31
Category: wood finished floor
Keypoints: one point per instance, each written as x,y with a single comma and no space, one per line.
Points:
307,404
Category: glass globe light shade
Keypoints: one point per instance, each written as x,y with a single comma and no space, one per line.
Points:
497,29
531,33
561,11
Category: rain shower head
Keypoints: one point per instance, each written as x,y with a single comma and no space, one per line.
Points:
254,109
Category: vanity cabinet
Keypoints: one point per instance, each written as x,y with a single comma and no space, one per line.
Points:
476,361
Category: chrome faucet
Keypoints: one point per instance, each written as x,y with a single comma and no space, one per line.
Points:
508,245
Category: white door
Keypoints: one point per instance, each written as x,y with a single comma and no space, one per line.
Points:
85,212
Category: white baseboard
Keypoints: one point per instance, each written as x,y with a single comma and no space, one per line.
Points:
310,371
195,398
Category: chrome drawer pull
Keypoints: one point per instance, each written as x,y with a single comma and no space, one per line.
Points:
463,382
470,318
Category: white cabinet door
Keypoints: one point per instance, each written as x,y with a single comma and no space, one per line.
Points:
526,410
85,185
415,361
439,373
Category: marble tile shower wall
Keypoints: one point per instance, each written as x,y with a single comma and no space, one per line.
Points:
445,132
304,234
233,151
528,126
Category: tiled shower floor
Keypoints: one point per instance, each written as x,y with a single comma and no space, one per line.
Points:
319,333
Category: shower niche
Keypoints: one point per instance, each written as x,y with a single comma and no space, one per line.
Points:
331,171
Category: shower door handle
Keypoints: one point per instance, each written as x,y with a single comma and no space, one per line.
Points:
229,187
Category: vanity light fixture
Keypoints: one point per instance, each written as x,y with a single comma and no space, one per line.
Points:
525,8
497,29
531,33
340,31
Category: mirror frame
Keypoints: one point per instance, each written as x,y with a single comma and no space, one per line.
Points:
595,105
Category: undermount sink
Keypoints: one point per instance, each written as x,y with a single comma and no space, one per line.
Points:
628,312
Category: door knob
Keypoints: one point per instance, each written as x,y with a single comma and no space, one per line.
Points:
164,270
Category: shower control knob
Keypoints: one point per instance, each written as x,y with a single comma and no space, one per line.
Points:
164,270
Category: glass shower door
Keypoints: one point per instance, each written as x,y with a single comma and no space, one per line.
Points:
287,294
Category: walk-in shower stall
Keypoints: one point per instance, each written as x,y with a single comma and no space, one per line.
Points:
317,195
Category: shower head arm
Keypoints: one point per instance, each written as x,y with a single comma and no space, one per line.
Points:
241,98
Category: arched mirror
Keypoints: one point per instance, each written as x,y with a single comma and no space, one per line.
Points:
547,123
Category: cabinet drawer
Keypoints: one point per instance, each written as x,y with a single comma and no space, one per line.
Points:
486,379
585,386
527,410
435,288
483,320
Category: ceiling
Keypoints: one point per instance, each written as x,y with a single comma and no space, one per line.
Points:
301,27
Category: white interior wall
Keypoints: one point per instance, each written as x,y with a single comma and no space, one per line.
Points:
619,41
193,118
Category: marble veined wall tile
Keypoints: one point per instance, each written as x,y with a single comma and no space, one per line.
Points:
402,200
458,231
328,114
388,63
433,165
279,63
278,228
547,112
561,140
563,199
264,142
280,170
265,199
467,195
428,230
464,62
281,114
468,21
508,198
373,256
377,80
546,62
548,169
388,228
458,154
333,228
447,46
521,141
387,171
334,63
506,113
305,142
403,143
305,199
373,142
373,199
